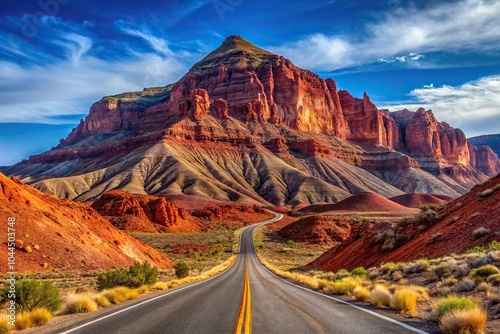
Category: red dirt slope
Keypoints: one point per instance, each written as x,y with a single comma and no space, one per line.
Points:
61,234
145,213
416,200
363,202
318,230
455,233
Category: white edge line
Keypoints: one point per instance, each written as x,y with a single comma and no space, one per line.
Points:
165,294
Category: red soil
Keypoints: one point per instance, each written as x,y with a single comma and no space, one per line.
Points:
363,202
55,234
233,215
318,230
416,200
453,234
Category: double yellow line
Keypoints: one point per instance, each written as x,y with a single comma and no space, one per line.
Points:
245,316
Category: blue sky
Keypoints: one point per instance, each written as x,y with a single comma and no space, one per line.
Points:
59,56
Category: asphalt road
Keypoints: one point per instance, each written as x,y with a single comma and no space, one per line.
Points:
246,298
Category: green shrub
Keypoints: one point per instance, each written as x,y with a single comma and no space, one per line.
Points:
485,271
181,269
32,294
137,275
453,303
359,271
291,244
480,232
494,245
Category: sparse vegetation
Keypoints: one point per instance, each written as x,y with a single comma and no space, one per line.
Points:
120,294
359,271
453,303
33,294
137,275
466,321
160,286
485,271
4,324
181,269
427,216
39,317
494,245
361,293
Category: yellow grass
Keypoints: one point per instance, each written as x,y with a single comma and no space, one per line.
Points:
5,328
39,317
405,301
79,303
380,296
120,294
101,300
207,274
160,286
142,289
23,320
360,293
470,321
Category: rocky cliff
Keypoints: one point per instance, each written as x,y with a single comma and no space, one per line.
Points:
249,126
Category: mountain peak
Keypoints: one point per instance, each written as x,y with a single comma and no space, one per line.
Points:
234,51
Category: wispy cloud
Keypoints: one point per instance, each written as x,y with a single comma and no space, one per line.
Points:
41,83
468,25
473,106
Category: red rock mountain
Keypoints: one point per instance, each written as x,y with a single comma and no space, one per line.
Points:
244,125
468,221
54,234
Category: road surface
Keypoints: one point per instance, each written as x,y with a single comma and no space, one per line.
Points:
246,298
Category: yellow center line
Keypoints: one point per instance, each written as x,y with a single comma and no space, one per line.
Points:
245,307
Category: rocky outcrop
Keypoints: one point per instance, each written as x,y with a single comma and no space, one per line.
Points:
367,124
162,216
318,230
437,145
493,141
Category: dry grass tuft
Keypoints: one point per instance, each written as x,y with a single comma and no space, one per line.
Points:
120,294
212,272
5,328
453,303
79,303
160,286
142,289
23,320
101,300
360,293
405,301
380,296
464,321
39,317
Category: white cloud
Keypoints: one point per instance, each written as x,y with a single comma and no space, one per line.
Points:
52,83
471,25
466,106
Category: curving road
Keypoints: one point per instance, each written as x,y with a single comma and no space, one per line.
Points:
246,298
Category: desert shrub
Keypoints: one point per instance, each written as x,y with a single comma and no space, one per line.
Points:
435,236
359,271
417,267
485,271
453,303
39,317
360,293
142,289
342,273
427,216
494,279
79,303
137,275
450,281
464,321
484,287
405,301
494,245
181,269
465,285
397,276
481,232
380,296
486,193
4,324
291,244
32,294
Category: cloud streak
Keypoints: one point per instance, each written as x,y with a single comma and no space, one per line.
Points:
468,25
